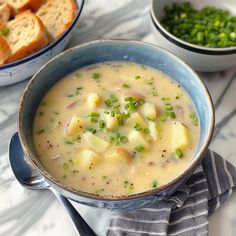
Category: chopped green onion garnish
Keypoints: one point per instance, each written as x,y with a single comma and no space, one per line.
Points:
162,118
69,142
137,127
146,130
124,139
65,166
171,114
112,113
137,77
150,82
154,93
92,130
41,131
154,184
77,75
139,148
41,113
101,124
106,112
166,99
94,114
120,120
96,76
194,118
179,153
125,86
144,67
93,119
169,108
131,187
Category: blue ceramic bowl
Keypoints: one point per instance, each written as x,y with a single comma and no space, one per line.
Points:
24,68
115,50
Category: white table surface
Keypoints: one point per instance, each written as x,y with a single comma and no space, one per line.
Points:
33,213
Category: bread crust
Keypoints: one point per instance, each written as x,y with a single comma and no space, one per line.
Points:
46,8
5,50
36,44
5,13
33,5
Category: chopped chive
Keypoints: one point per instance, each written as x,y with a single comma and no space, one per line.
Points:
96,76
150,82
137,127
125,86
137,77
112,113
120,120
141,101
56,113
94,114
5,31
93,119
146,130
104,177
179,153
126,182
78,138
154,184
108,102
158,127
65,166
124,139
143,67
77,75
69,142
101,124
166,99
131,187
169,108
162,118
106,112
113,98
171,114
139,148
91,129
41,113
154,93
41,131
194,118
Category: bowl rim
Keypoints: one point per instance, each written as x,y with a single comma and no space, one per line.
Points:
79,193
49,46
181,43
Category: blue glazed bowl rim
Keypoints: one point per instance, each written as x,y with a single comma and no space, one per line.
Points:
148,193
183,44
50,46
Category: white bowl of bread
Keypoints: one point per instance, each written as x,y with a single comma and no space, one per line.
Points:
31,33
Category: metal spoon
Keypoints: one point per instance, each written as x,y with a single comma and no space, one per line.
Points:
29,178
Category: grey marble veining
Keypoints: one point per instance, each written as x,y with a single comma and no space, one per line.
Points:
31,213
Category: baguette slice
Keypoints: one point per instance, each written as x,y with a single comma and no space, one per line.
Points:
5,50
4,13
18,6
26,35
57,15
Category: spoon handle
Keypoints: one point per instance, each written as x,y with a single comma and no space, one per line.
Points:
80,224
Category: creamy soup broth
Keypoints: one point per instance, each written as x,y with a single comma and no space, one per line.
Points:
116,129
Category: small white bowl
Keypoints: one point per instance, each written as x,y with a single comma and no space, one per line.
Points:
23,69
200,58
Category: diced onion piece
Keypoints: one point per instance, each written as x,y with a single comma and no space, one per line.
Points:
180,137
118,154
95,142
153,131
89,159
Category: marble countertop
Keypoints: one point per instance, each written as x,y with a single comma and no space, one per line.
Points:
32,213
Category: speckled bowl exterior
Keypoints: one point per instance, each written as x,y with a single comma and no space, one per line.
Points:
26,67
115,50
200,58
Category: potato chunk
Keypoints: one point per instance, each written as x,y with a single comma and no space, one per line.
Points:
95,142
136,138
74,126
153,130
180,138
93,100
111,122
88,159
149,111
136,118
118,154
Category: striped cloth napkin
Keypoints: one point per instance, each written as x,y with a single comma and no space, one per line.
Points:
186,212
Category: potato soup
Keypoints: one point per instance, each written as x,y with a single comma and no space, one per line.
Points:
116,129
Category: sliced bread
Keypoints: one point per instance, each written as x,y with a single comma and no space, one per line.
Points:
4,13
22,5
5,50
57,15
26,35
